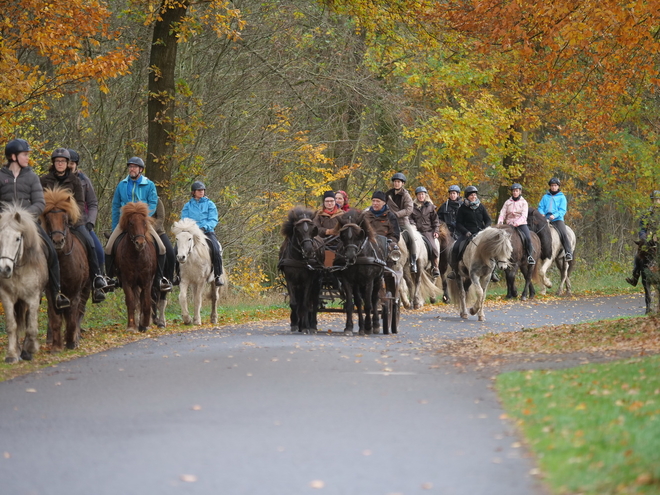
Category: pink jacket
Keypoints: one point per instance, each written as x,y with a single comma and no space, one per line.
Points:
514,212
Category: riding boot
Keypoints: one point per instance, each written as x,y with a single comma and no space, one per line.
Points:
218,272
176,280
413,264
436,271
113,281
637,271
164,285
61,301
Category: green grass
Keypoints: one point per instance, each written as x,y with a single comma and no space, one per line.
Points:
594,429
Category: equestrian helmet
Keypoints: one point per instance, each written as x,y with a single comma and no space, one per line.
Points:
16,146
421,189
197,185
554,180
515,185
136,160
655,195
455,189
469,190
60,153
399,176
75,157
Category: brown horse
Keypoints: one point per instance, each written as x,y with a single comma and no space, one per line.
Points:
135,261
445,241
61,211
518,261
647,255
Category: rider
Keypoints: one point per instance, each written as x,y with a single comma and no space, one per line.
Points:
401,204
203,211
553,205
448,209
19,184
384,221
426,220
60,175
648,223
170,255
471,219
136,188
326,218
514,213
341,198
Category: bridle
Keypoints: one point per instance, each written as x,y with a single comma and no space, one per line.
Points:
18,250
64,233
352,244
300,244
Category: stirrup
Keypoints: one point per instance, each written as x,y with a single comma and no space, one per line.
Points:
99,282
176,280
530,261
98,296
62,302
451,275
435,272
569,257
218,281
165,285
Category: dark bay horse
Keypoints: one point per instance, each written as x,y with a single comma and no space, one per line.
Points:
518,261
61,211
300,260
446,241
362,265
135,261
647,254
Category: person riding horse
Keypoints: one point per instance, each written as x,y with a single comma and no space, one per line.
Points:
648,224
514,213
471,219
20,184
553,205
60,175
136,188
384,223
448,209
401,204
426,220
203,211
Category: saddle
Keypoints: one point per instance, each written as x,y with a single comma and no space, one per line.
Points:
429,247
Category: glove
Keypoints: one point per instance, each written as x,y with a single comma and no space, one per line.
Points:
90,226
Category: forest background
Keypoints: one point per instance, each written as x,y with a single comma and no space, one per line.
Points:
270,103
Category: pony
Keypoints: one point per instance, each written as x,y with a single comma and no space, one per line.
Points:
445,242
361,262
418,286
194,257
135,261
647,254
23,275
489,249
300,261
61,211
519,261
552,251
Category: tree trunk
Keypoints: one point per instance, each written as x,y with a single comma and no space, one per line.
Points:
162,94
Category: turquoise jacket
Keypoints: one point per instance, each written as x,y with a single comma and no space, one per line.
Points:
202,211
129,191
553,204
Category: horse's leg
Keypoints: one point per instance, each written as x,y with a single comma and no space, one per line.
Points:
562,264
375,303
71,323
543,272
129,297
648,299
183,301
403,291
359,307
54,325
31,322
477,281
417,301
198,297
348,305
162,304
215,296
12,331
510,274
145,308
366,301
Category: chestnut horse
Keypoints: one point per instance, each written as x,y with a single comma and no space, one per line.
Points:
519,262
647,253
135,261
61,211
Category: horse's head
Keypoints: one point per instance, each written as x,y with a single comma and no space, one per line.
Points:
353,239
185,243
304,232
56,226
11,251
60,210
135,221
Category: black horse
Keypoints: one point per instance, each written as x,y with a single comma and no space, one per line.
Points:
519,262
300,262
362,264
647,258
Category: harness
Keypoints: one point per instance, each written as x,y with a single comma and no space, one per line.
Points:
298,247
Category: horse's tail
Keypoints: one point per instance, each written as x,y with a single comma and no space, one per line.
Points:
427,287
454,292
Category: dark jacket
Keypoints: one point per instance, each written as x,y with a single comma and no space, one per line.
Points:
25,189
649,223
401,204
71,183
424,217
386,224
471,220
325,222
447,213
89,197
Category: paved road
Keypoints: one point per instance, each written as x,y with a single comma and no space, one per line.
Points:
254,409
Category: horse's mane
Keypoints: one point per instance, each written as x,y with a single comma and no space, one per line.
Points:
493,243
18,218
356,217
540,225
190,226
443,233
130,209
59,198
296,214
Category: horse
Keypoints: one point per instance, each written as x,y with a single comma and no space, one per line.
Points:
23,275
61,211
194,257
361,262
135,261
445,242
417,286
647,254
300,260
552,250
519,261
489,249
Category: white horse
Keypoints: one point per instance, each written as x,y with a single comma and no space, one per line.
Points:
194,258
23,275
559,258
416,287
489,249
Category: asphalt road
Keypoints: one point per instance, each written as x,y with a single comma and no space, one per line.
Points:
254,409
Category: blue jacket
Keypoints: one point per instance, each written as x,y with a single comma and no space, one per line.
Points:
553,205
202,211
144,191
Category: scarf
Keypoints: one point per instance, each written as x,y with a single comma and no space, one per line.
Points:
331,212
473,204
378,213
516,199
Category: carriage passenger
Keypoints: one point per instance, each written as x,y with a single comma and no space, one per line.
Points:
136,188
448,209
648,224
20,184
514,213
203,211
553,205
401,204
326,219
60,175
341,198
426,220
471,219
383,221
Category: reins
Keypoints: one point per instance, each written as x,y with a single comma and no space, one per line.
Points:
64,233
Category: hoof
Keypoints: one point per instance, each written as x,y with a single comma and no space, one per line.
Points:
473,311
142,329
11,360
464,316
445,299
481,318
348,331
131,329
196,322
71,345
395,331
160,325
26,356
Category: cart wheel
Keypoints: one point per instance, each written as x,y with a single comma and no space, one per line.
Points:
387,313
396,314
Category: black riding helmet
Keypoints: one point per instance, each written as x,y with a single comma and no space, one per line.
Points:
469,190
197,185
136,160
399,176
75,157
554,180
16,146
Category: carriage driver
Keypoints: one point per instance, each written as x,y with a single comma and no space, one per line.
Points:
19,184
648,224
553,205
384,223
60,175
448,209
514,213
426,220
401,204
203,211
326,218
136,188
